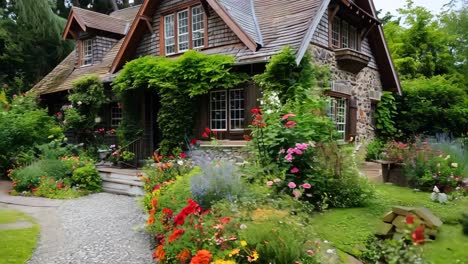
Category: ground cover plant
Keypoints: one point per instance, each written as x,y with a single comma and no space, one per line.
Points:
349,229
17,244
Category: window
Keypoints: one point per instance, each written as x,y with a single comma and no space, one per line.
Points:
169,39
116,115
87,52
184,30
337,111
343,35
227,110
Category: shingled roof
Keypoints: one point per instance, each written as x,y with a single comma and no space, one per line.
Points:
63,75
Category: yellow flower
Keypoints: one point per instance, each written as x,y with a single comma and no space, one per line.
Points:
221,261
243,243
255,255
234,252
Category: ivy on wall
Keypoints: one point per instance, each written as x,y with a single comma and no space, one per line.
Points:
178,82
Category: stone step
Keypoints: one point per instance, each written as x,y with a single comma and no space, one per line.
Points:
105,175
122,188
123,182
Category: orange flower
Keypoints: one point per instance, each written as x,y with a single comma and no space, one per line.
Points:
159,254
175,235
184,256
151,220
154,202
202,257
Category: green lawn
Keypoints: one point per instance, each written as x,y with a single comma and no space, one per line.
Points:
348,229
17,245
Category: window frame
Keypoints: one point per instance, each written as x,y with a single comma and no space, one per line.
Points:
86,46
228,110
175,14
336,37
332,115
115,118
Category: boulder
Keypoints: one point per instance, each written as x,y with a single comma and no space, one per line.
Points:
429,218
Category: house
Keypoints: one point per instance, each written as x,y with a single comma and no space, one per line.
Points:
344,34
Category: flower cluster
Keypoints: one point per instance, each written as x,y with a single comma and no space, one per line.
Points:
289,123
257,118
298,150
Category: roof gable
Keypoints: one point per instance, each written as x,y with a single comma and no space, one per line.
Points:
89,19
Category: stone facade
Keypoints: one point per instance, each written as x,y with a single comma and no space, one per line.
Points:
237,155
368,79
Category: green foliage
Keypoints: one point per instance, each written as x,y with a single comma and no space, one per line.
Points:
287,79
392,251
464,223
385,115
217,181
23,126
176,81
375,149
52,189
88,178
87,98
432,105
29,177
278,241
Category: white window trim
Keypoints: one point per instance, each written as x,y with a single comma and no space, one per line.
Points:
226,110
188,31
333,105
117,119
166,37
86,59
202,30
229,109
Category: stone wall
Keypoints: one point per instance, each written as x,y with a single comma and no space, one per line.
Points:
368,79
237,155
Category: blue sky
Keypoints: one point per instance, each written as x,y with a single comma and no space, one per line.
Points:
391,5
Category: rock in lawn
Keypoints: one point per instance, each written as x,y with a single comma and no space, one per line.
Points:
402,210
429,218
388,217
399,222
384,229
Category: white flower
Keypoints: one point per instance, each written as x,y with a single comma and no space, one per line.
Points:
448,157
454,165
180,162
79,103
243,226
436,190
325,241
330,251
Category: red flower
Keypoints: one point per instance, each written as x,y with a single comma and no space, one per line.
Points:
258,117
183,155
59,185
215,133
290,124
256,111
157,187
168,212
225,220
193,142
191,208
204,135
171,157
410,219
175,235
247,138
184,256
286,116
202,257
418,235
207,130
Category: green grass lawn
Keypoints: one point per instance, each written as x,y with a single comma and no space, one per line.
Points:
17,245
348,229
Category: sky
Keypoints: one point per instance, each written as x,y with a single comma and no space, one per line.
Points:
392,5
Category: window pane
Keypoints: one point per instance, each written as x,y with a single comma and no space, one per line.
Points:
236,111
198,27
169,40
352,38
336,32
87,52
183,28
344,35
116,116
218,103
336,111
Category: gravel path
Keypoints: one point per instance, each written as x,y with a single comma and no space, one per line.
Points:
100,228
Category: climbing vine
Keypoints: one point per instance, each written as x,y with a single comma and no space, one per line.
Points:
384,116
179,83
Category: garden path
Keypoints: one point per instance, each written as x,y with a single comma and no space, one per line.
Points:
99,228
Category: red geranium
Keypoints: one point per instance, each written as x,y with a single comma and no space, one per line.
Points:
410,219
193,142
207,130
286,116
256,111
204,135
183,155
175,235
290,124
191,208
418,235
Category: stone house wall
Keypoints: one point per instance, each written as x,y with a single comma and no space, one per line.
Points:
368,79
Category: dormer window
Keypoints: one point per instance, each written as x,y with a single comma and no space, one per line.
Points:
184,30
86,52
343,35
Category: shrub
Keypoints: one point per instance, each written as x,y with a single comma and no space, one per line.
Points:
375,149
29,177
218,180
87,178
60,189
464,223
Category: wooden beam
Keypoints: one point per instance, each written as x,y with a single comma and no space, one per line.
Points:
334,12
148,23
205,7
